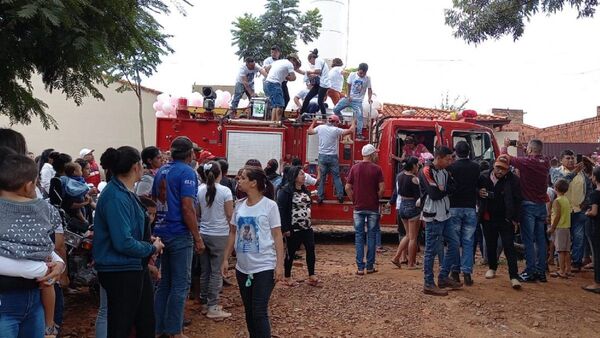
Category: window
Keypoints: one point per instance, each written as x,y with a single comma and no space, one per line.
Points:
480,143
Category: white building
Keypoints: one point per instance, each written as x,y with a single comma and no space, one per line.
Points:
95,124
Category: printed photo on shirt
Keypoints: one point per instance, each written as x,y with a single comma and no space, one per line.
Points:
247,231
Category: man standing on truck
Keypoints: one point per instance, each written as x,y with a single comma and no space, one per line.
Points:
534,171
245,81
329,135
280,71
358,84
365,187
463,220
175,187
276,55
434,180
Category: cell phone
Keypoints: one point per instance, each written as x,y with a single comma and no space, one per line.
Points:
490,194
513,143
579,158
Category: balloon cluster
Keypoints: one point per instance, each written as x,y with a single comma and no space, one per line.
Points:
373,108
165,105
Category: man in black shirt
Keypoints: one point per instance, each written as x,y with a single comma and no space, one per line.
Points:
463,221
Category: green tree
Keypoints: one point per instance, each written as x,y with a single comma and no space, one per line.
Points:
475,21
72,44
281,24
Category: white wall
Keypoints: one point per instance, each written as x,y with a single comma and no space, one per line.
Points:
95,124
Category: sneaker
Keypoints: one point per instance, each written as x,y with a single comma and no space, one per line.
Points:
51,331
514,283
449,283
341,200
490,274
217,312
455,276
204,309
541,277
468,279
434,290
527,277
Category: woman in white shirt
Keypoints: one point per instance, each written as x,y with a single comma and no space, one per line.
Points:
259,249
336,80
46,169
216,208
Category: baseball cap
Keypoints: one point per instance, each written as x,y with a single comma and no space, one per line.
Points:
205,156
503,161
368,149
333,118
181,144
85,151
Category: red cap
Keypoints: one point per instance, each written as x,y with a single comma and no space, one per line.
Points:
333,118
204,156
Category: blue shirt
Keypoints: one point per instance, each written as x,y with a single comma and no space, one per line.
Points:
173,182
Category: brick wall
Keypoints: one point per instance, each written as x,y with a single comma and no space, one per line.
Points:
582,131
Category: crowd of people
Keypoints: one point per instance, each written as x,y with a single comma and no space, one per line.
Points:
164,221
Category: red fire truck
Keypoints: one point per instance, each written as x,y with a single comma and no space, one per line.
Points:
240,139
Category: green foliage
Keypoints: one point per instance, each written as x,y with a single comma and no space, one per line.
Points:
475,21
72,44
457,104
281,24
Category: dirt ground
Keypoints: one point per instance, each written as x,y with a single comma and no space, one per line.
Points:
390,303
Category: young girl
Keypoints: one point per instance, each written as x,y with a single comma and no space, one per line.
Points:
259,250
216,209
408,191
561,229
594,214
294,207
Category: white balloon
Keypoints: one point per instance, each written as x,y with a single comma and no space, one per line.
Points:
167,108
162,98
243,103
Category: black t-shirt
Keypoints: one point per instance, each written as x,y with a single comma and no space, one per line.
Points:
595,199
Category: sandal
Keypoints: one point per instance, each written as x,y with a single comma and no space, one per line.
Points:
412,267
372,271
589,267
591,289
313,282
360,272
404,262
557,274
398,264
291,284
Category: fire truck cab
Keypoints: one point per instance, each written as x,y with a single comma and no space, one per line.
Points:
241,139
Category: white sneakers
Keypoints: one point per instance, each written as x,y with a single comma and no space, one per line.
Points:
515,283
490,274
217,312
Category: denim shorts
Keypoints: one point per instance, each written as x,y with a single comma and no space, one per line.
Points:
408,209
275,94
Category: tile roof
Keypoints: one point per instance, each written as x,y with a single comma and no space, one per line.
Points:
390,109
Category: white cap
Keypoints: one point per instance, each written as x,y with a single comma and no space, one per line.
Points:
85,151
368,149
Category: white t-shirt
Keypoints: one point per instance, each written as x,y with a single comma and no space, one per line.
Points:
25,268
213,221
46,175
322,65
358,86
248,73
328,139
268,61
254,243
280,69
336,78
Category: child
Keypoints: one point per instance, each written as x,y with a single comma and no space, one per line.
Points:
26,223
551,197
561,228
595,217
75,188
150,206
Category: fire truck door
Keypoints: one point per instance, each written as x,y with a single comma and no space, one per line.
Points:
439,135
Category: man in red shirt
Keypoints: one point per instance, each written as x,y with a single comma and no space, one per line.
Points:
94,177
364,188
534,170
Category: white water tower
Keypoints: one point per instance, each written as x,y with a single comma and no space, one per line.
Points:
333,41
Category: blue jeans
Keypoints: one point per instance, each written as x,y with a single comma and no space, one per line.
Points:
533,234
21,314
239,92
275,94
102,317
578,221
356,106
330,163
372,220
464,222
434,245
256,301
173,288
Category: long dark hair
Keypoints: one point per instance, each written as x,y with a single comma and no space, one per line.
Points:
263,184
291,173
409,163
44,157
211,171
58,164
119,161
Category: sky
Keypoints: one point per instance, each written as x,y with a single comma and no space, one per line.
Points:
552,72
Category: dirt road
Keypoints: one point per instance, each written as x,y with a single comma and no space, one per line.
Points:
390,304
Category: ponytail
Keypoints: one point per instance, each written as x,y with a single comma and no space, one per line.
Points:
211,171
119,161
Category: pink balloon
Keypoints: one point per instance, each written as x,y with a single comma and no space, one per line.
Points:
227,96
196,102
225,104
167,108
160,113
173,114
174,100
157,106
